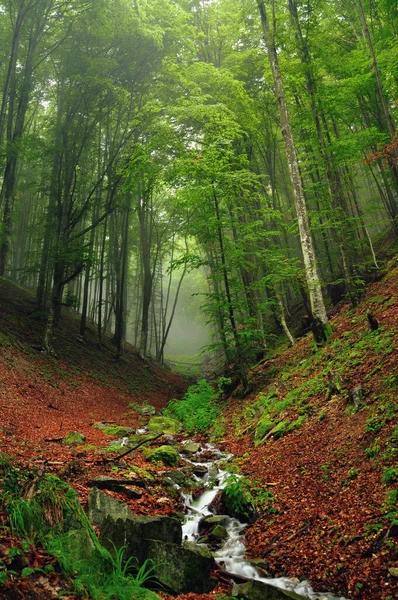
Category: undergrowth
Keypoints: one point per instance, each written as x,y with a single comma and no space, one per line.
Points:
44,512
198,409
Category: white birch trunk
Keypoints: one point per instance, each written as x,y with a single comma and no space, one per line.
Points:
314,285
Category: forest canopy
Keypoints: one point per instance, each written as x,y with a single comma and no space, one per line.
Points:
247,148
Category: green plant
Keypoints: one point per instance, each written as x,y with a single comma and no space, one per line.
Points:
198,409
373,450
390,507
374,424
390,474
325,472
238,495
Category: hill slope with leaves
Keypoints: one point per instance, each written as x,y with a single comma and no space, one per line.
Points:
318,444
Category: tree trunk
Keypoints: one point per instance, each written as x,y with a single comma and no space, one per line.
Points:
318,308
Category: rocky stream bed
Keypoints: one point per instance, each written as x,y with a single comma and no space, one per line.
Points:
187,548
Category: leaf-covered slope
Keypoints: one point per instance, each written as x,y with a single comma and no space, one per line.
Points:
331,465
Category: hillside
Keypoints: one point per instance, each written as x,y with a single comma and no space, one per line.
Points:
319,462
329,462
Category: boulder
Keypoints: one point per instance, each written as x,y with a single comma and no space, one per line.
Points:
134,532
207,523
190,448
164,425
143,409
177,476
112,429
199,470
257,590
74,438
165,454
217,536
182,569
100,506
213,472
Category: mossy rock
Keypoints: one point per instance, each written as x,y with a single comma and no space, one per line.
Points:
117,430
74,438
143,409
165,454
257,590
218,534
164,425
263,427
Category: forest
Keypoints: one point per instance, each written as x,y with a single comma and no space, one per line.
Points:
141,142
198,299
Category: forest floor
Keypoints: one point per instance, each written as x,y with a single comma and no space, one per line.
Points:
329,481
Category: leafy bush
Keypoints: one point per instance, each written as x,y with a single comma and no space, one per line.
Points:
198,410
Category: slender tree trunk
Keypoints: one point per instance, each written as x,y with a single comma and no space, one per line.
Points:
318,308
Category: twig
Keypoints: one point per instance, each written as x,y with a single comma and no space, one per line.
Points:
133,448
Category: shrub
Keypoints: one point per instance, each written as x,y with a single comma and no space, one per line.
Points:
198,410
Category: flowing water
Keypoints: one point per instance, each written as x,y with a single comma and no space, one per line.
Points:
232,554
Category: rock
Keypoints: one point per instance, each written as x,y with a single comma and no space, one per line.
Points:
257,590
334,383
199,470
100,426
164,425
213,472
216,536
78,543
260,565
134,532
74,438
182,569
143,409
207,523
100,506
165,454
120,442
168,440
356,395
177,476
113,429
190,448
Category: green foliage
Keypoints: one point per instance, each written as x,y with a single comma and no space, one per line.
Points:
374,424
44,511
391,506
390,474
373,450
242,495
198,410
237,495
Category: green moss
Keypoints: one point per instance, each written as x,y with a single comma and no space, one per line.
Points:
264,426
164,425
280,429
165,454
116,430
297,423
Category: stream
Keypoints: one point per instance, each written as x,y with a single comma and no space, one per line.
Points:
231,556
